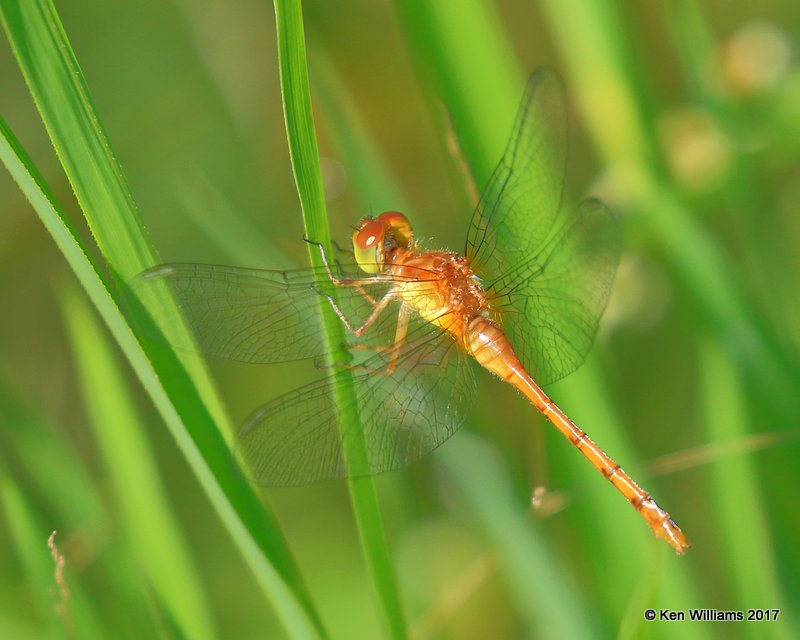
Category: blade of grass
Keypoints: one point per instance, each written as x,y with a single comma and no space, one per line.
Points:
183,389
359,153
147,516
538,583
304,156
29,541
750,564
597,54
59,599
40,459
240,511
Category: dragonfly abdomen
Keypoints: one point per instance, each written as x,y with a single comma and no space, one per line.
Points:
490,346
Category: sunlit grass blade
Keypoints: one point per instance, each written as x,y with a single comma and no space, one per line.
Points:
41,459
241,512
541,590
305,165
598,58
29,541
148,522
750,566
178,383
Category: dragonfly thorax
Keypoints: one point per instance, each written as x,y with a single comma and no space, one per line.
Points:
441,287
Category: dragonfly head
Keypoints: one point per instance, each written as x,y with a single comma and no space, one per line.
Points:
377,238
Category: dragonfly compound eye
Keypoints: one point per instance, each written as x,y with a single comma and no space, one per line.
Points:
398,228
368,245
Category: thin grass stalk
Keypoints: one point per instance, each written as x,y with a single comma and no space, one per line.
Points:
304,156
751,568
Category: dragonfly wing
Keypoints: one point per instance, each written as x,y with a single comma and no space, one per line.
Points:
248,315
548,270
550,304
296,439
520,204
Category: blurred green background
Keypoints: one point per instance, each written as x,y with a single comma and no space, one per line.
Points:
686,120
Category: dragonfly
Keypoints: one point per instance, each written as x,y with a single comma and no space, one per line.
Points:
523,301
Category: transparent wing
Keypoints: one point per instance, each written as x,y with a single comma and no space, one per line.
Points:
252,315
520,204
550,304
296,439
548,271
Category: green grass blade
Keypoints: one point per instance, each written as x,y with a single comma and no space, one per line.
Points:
752,572
147,516
241,512
64,605
598,57
29,540
41,459
195,412
538,583
305,165
479,81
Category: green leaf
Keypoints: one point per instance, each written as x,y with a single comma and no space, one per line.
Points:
178,383
147,518
544,597
57,594
738,503
57,480
239,509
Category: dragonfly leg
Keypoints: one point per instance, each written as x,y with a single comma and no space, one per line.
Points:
378,308
358,283
399,340
364,294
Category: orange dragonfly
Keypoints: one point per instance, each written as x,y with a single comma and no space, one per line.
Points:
523,301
